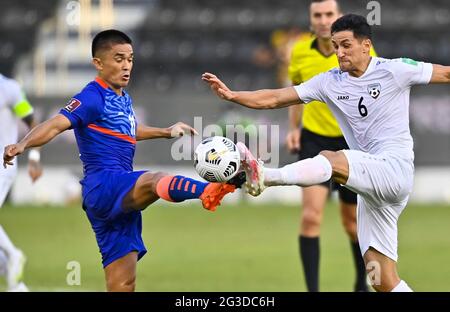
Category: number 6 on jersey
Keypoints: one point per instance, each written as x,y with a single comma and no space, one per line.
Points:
362,108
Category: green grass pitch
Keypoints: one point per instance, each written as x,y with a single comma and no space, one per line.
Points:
242,247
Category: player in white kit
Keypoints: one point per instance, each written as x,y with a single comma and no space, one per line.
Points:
13,106
369,96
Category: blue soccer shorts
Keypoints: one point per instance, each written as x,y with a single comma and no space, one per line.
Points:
117,232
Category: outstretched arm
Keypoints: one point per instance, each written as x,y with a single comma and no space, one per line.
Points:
38,136
260,99
441,74
178,129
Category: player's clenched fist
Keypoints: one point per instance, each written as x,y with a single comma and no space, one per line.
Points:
218,86
10,152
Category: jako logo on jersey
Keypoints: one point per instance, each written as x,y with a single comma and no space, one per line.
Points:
374,90
72,105
343,97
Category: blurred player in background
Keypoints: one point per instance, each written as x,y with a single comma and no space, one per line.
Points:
319,131
14,106
106,130
369,96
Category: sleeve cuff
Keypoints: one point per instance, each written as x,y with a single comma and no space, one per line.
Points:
427,72
299,90
69,116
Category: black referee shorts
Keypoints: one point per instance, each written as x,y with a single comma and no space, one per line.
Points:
312,144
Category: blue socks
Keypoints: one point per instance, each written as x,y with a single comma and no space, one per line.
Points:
179,188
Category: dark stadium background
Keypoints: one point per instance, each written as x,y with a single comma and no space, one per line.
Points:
177,41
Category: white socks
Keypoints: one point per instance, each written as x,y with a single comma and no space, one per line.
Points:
305,172
402,287
5,243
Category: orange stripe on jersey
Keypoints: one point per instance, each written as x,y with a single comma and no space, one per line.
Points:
113,133
186,186
194,187
179,184
101,82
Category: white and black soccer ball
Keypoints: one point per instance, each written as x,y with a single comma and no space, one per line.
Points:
216,159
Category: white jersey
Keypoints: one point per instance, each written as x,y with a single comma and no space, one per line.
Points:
373,109
10,95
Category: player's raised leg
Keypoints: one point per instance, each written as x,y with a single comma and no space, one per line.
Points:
113,202
152,186
120,273
307,172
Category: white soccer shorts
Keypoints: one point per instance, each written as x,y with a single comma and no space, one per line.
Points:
383,183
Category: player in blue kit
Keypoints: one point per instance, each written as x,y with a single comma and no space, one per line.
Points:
106,130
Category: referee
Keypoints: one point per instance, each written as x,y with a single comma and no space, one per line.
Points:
312,129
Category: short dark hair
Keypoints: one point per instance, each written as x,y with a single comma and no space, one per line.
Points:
319,1
356,23
105,39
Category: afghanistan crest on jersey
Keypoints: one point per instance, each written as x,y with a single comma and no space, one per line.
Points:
374,90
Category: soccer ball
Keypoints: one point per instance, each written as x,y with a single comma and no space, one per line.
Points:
216,159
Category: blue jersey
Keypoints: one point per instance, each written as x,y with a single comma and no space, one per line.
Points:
105,127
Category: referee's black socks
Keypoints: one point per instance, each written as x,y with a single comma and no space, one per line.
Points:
361,279
310,254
